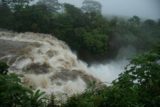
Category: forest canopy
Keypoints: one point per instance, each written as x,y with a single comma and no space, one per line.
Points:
85,29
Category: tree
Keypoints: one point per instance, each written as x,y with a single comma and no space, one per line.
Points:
149,23
95,42
5,15
140,83
16,4
75,15
134,21
90,6
3,68
14,94
34,18
52,5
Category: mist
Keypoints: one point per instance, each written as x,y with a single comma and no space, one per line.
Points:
109,71
147,9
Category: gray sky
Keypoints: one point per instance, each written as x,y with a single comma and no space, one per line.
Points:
142,8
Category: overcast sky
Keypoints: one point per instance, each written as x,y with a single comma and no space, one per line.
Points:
142,8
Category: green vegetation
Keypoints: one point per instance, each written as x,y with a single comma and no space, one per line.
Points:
138,86
14,94
3,68
90,33
84,29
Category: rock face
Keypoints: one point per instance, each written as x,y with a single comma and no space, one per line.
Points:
45,63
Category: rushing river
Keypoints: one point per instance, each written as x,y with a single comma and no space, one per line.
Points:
47,63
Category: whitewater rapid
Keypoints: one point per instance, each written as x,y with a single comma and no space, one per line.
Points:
109,71
47,63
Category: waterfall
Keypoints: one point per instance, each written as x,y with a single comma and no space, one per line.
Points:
45,63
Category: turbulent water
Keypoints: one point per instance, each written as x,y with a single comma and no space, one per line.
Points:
47,63
109,71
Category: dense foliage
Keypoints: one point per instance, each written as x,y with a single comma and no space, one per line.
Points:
14,94
89,33
84,29
138,86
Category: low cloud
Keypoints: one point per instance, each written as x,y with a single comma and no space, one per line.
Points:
142,8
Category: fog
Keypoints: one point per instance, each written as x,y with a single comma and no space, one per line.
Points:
148,9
